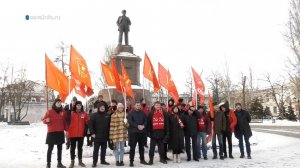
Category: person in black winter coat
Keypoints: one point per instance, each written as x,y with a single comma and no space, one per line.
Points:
243,130
176,142
159,131
99,128
137,130
190,132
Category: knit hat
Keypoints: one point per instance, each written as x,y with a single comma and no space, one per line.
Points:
120,105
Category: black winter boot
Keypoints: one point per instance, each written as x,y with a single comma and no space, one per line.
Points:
80,163
60,165
151,161
72,164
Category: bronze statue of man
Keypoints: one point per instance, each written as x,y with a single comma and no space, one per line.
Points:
123,23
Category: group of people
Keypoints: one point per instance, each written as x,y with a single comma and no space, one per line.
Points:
173,127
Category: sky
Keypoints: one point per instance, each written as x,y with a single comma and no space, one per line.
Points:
177,33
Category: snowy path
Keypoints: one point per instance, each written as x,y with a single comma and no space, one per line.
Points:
24,146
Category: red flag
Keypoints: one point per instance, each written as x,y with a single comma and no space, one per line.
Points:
126,82
116,76
211,106
172,89
149,73
79,70
165,80
199,85
79,88
163,76
56,80
108,74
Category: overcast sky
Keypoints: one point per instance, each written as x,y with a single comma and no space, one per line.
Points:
177,33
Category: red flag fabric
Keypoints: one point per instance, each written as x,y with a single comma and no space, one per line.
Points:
79,70
149,73
126,82
116,76
163,76
211,106
166,81
108,75
199,85
56,80
79,88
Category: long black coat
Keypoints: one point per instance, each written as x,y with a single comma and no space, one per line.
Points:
99,125
190,124
243,120
176,140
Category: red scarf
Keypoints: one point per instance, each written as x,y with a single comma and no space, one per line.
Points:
158,120
179,120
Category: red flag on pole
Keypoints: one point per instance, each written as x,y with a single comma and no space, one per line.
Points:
126,82
149,73
79,71
56,80
116,76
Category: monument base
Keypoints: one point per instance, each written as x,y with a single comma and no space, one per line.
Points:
115,95
124,48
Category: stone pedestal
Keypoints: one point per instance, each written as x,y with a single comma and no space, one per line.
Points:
138,94
131,62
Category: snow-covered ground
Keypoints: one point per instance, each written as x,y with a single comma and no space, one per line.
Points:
278,123
24,146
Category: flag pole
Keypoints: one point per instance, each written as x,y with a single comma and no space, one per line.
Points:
70,105
143,87
108,93
196,98
47,98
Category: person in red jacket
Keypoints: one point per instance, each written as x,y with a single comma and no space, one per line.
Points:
55,119
230,126
79,120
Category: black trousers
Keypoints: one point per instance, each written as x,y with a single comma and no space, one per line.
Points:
134,139
165,150
49,152
228,136
96,151
188,146
160,145
241,144
79,142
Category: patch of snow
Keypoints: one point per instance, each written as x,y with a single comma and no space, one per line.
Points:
278,123
24,146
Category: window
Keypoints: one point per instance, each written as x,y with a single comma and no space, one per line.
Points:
33,100
275,110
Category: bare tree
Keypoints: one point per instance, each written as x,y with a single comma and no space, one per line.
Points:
19,93
109,53
279,92
217,82
293,38
3,82
62,58
189,84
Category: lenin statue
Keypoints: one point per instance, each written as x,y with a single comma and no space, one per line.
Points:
123,23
